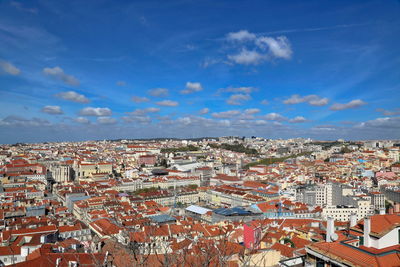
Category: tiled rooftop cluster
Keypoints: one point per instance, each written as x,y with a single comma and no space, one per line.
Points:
157,203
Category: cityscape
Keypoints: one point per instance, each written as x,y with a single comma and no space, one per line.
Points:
190,133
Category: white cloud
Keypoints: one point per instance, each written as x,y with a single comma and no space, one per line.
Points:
352,104
319,102
98,112
226,114
252,111
139,119
274,117
247,57
167,103
9,68
242,35
385,112
298,119
159,92
381,123
313,100
138,112
204,111
58,73
265,102
21,7
121,83
258,48
82,120
140,115
73,96
244,89
53,110
279,47
237,99
106,120
225,123
19,121
261,122
192,87
209,62
294,99
184,120
138,99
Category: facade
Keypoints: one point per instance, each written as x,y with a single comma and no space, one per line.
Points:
84,170
362,208
377,200
61,173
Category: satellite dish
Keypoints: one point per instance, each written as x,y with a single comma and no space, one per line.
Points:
334,237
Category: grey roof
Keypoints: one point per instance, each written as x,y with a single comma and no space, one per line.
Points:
236,211
162,218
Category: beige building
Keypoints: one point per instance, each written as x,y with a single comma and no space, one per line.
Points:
342,212
87,170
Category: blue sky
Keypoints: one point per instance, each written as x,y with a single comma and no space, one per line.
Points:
81,70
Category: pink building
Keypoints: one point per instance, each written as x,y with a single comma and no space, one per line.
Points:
147,160
251,236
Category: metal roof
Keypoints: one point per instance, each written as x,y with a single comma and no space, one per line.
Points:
237,211
162,218
197,209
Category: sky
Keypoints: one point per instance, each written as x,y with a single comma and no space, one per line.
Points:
93,70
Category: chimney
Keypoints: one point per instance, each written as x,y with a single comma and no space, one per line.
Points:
382,211
353,220
397,207
330,229
58,261
24,251
390,211
367,230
